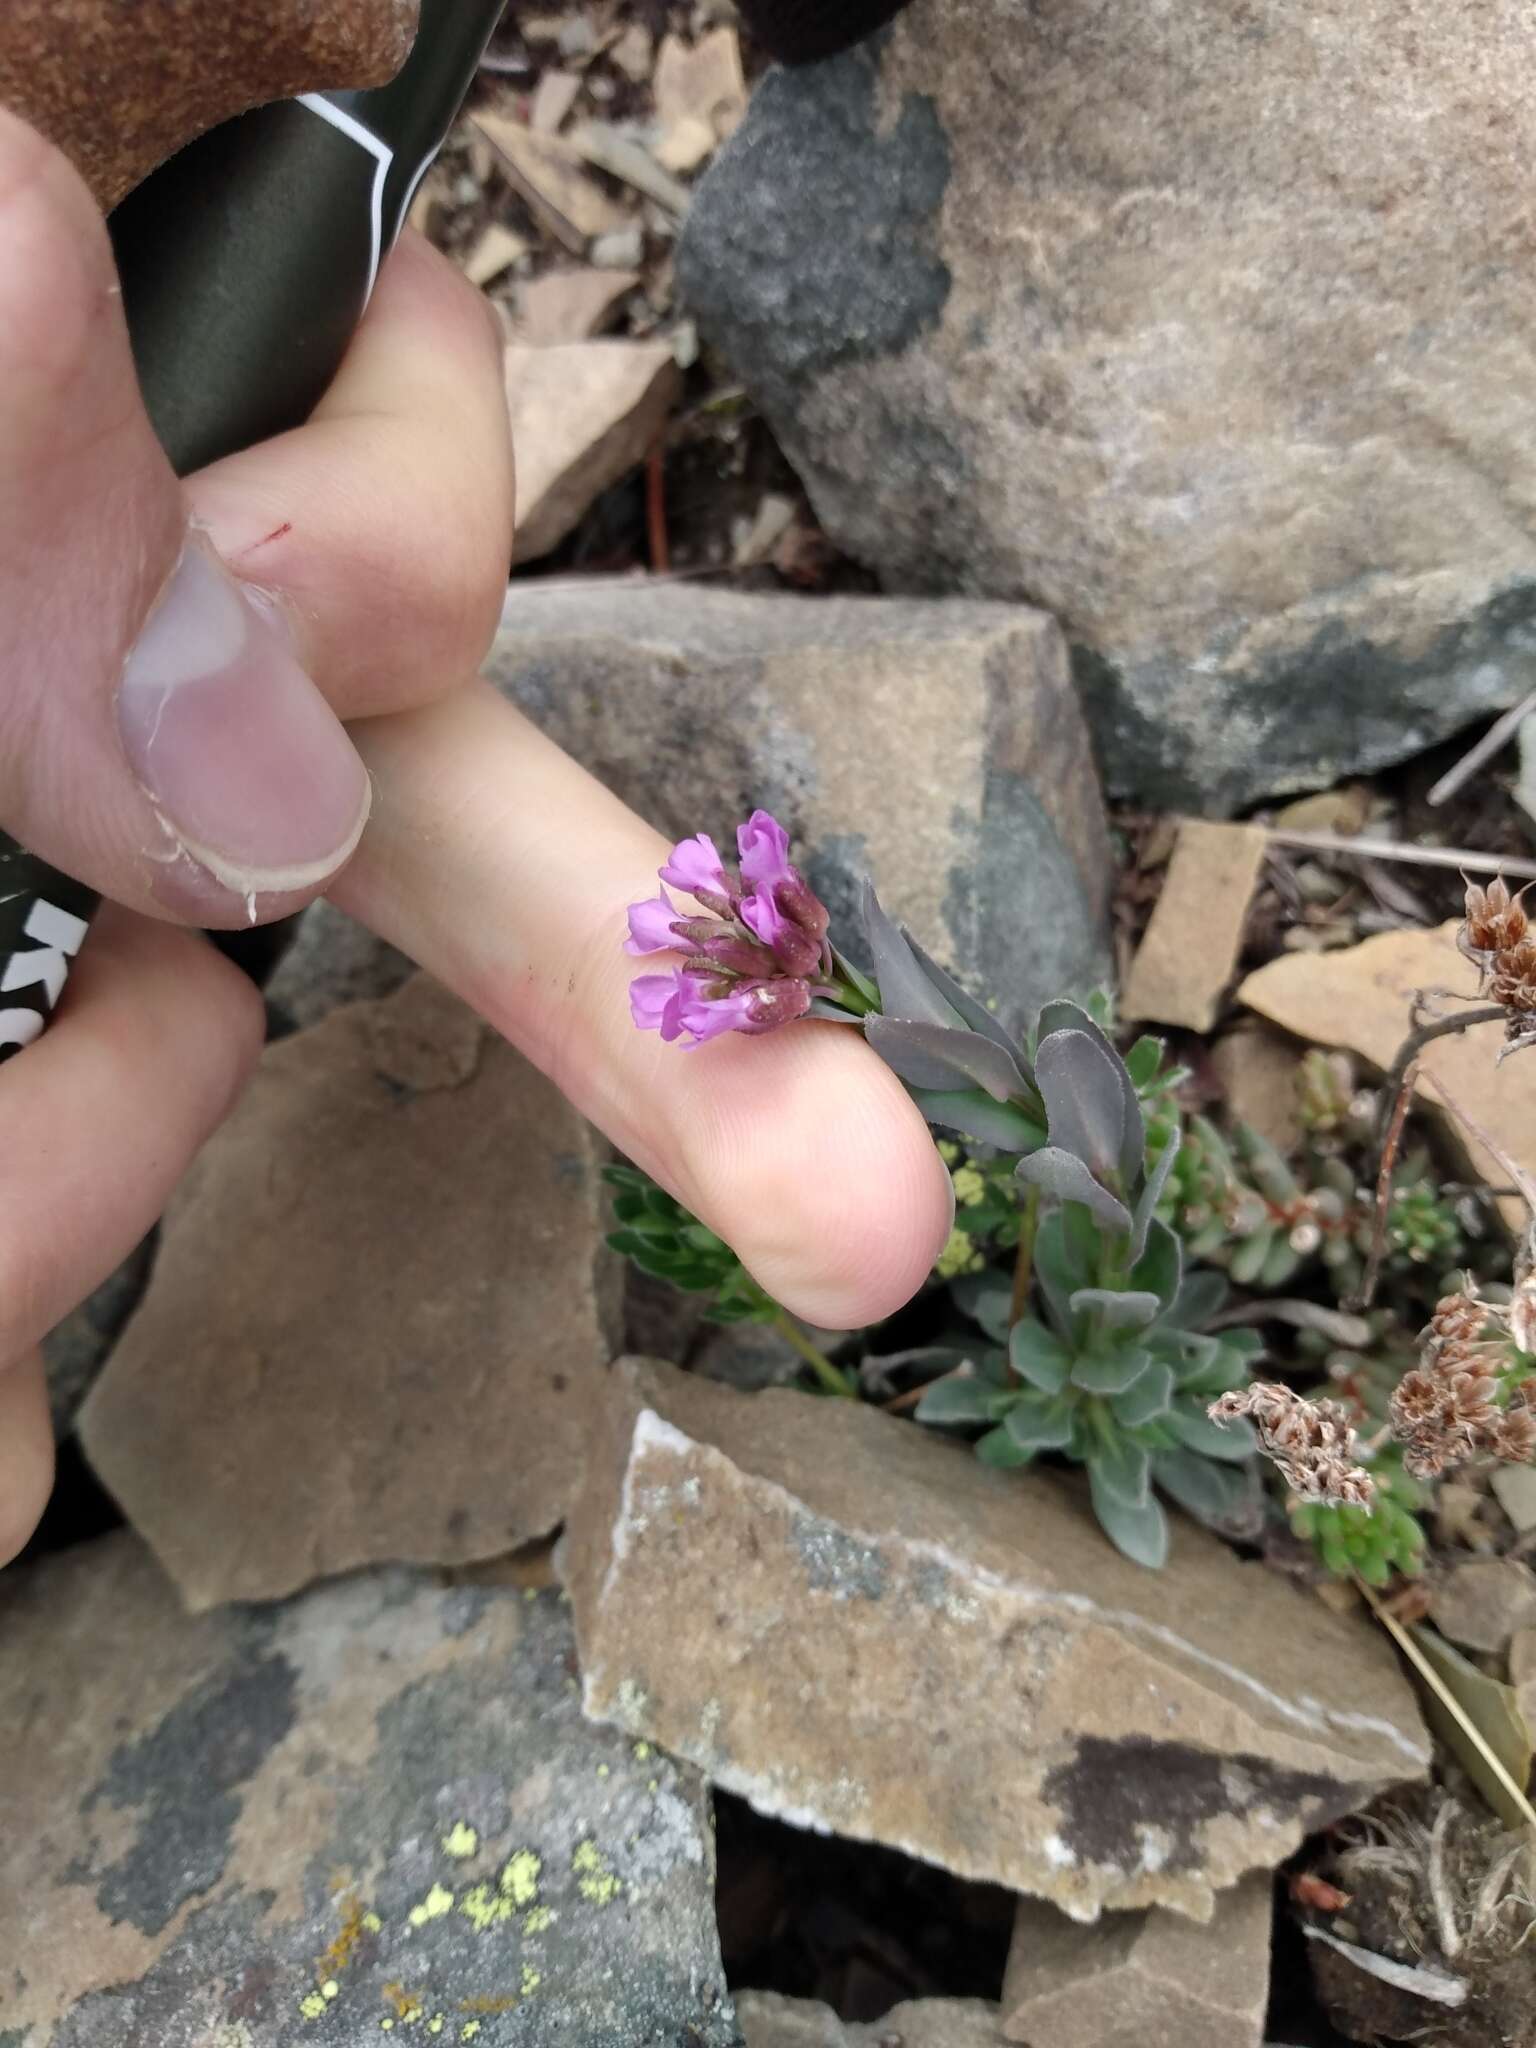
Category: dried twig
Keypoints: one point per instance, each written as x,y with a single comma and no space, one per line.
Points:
1391,1142
1420,1036
1498,735
1396,849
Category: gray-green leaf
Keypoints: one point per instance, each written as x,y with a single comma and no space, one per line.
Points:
1118,1309
1146,1398
1066,1016
905,991
1112,1372
1209,1492
997,1448
1123,1467
943,1056
1035,1425
962,1398
1039,1356
1079,1083
1064,1175
1139,1532
976,1116
1231,1442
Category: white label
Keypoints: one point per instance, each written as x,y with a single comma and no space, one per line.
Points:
19,1027
58,934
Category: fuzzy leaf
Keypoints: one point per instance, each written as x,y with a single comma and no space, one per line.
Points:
998,1448
987,1299
1231,1442
1123,1467
977,1015
1058,1269
1202,1294
1208,1492
1143,1060
1159,1269
1111,1372
1080,1083
1064,1175
1118,1309
978,1117
1038,1425
905,991
1138,1532
1146,1398
1152,1193
943,1056
960,1398
1071,1017
1037,1355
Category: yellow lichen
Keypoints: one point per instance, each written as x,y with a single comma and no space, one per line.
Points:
355,1923
536,1922
437,1902
409,2005
311,2006
372,1923
461,1841
386,2026
469,2030
531,1980
520,1879
602,1770
642,1752
435,2024
330,1989
594,1880
485,1909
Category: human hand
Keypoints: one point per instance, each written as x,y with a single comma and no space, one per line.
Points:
382,530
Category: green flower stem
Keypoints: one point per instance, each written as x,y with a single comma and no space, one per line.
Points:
848,998
1024,1258
832,1379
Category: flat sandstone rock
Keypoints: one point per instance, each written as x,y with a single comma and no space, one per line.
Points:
938,748
857,1627
1142,1980
374,1813
379,1316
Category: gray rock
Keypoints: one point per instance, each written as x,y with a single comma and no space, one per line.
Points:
769,2021
75,1352
381,1314
333,960
375,1810
1142,1980
1201,326
937,747
860,1629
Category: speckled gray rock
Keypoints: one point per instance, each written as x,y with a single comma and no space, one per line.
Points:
769,2021
1202,326
381,1312
374,1809
75,1352
859,1628
937,747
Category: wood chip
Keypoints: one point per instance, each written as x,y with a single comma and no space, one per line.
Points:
1192,943
568,305
1360,999
495,251
548,173
701,96
555,95
583,416
622,157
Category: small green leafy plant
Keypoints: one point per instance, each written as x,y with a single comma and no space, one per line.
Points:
663,1239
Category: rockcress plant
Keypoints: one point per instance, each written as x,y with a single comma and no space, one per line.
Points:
1102,1347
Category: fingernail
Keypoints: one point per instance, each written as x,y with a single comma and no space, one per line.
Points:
245,761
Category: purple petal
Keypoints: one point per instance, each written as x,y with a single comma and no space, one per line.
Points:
694,866
649,996
706,1020
650,926
763,918
764,847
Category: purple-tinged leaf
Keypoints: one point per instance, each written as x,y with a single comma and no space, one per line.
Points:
1064,1016
943,1057
1084,1105
1064,1175
905,991
976,1014
977,1116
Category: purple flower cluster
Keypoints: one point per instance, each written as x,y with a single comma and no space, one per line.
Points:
751,964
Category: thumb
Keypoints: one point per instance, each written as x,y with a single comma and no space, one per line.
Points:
158,738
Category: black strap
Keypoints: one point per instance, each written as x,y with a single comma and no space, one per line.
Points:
799,31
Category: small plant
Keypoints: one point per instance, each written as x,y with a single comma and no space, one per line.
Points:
1083,1210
